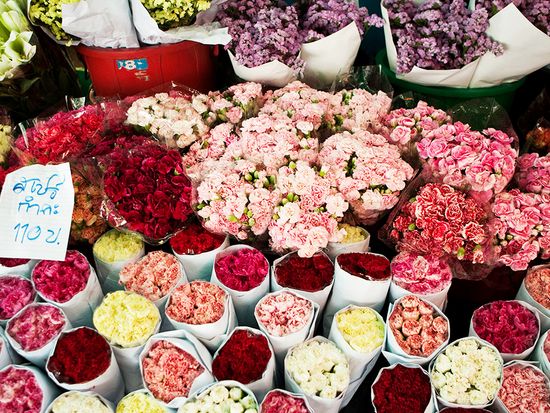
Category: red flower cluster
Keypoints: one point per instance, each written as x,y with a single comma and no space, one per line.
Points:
194,239
13,262
147,189
244,357
442,221
11,165
365,265
399,387
80,356
242,270
305,274
508,325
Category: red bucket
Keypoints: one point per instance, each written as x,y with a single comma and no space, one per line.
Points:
125,72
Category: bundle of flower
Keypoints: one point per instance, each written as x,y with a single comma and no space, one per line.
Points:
81,402
522,224
242,270
48,13
23,390
146,189
537,284
196,303
361,328
223,396
310,274
366,266
283,314
236,103
15,293
480,162
534,10
87,225
115,246
508,325
172,14
442,222
139,402
194,239
282,401
438,35
532,173
399,386
524,389
420,274
367,170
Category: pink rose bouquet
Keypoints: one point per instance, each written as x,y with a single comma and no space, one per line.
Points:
420,274
277,401
367,170
480,162
283,314
508,325
15,293
21,391
198,302
524,389
153,276
522,223
533,172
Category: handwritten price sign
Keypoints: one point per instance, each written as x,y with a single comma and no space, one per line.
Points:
36,206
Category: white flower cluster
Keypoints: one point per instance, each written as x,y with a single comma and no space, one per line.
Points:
467,373
79,402
319,368
221,398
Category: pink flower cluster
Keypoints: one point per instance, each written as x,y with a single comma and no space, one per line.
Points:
198,302
481,162
420,274
15,293
153,276
418,329
537,283
277,401
236,103
283,314
442,221
367,170
169,371
242,270
522,224
19,391
533,174
524,389
508,325
12,262
60,281
36,326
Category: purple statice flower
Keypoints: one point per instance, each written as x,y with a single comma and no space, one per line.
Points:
438,34
536,11
322,18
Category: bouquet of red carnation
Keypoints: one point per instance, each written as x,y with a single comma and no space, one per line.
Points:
246,357
398,386
147,190
83,360
311,277
511,326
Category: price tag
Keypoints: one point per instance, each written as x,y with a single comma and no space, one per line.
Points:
132,64
36,206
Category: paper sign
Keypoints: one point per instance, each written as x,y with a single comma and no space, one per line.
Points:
36,206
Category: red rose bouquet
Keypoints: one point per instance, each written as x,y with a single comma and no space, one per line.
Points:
398,386
25,389
508,325
15,293
277,401
87,225
524,389
146,189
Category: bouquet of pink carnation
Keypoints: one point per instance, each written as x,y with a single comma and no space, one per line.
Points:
522,223
420,274
367,170
237,199
533,174
480,162
306,218
524,389
237,103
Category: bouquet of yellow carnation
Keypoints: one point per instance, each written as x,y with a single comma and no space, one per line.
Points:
170,14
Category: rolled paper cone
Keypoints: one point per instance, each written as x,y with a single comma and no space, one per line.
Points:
544,313
439,298
106,402
108,272
23,270
336,248
200,266
540,356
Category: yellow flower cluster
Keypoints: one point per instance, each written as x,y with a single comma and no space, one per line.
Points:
361,328
117,246
353,234
48,13
126,319
175,13
139,403
5,142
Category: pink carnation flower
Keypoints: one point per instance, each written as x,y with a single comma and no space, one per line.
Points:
525,389
283,314
19,391
36,326
533,174
420,274
198,302
15,293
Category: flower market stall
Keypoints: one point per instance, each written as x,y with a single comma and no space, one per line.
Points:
254,207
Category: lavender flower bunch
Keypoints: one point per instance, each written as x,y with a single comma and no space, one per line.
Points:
438,34
322,18
536,11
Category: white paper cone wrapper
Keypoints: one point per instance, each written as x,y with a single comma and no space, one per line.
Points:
187,342
108,272
23,270
266,383
328,58
319,404
244,301
439,299
199,394
336,248
212,335
544,313
540,356
40,356
200,266
4,322
510,356
430,408
87,393
395,354
273,73
282,344
166,409
7,353
296,395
